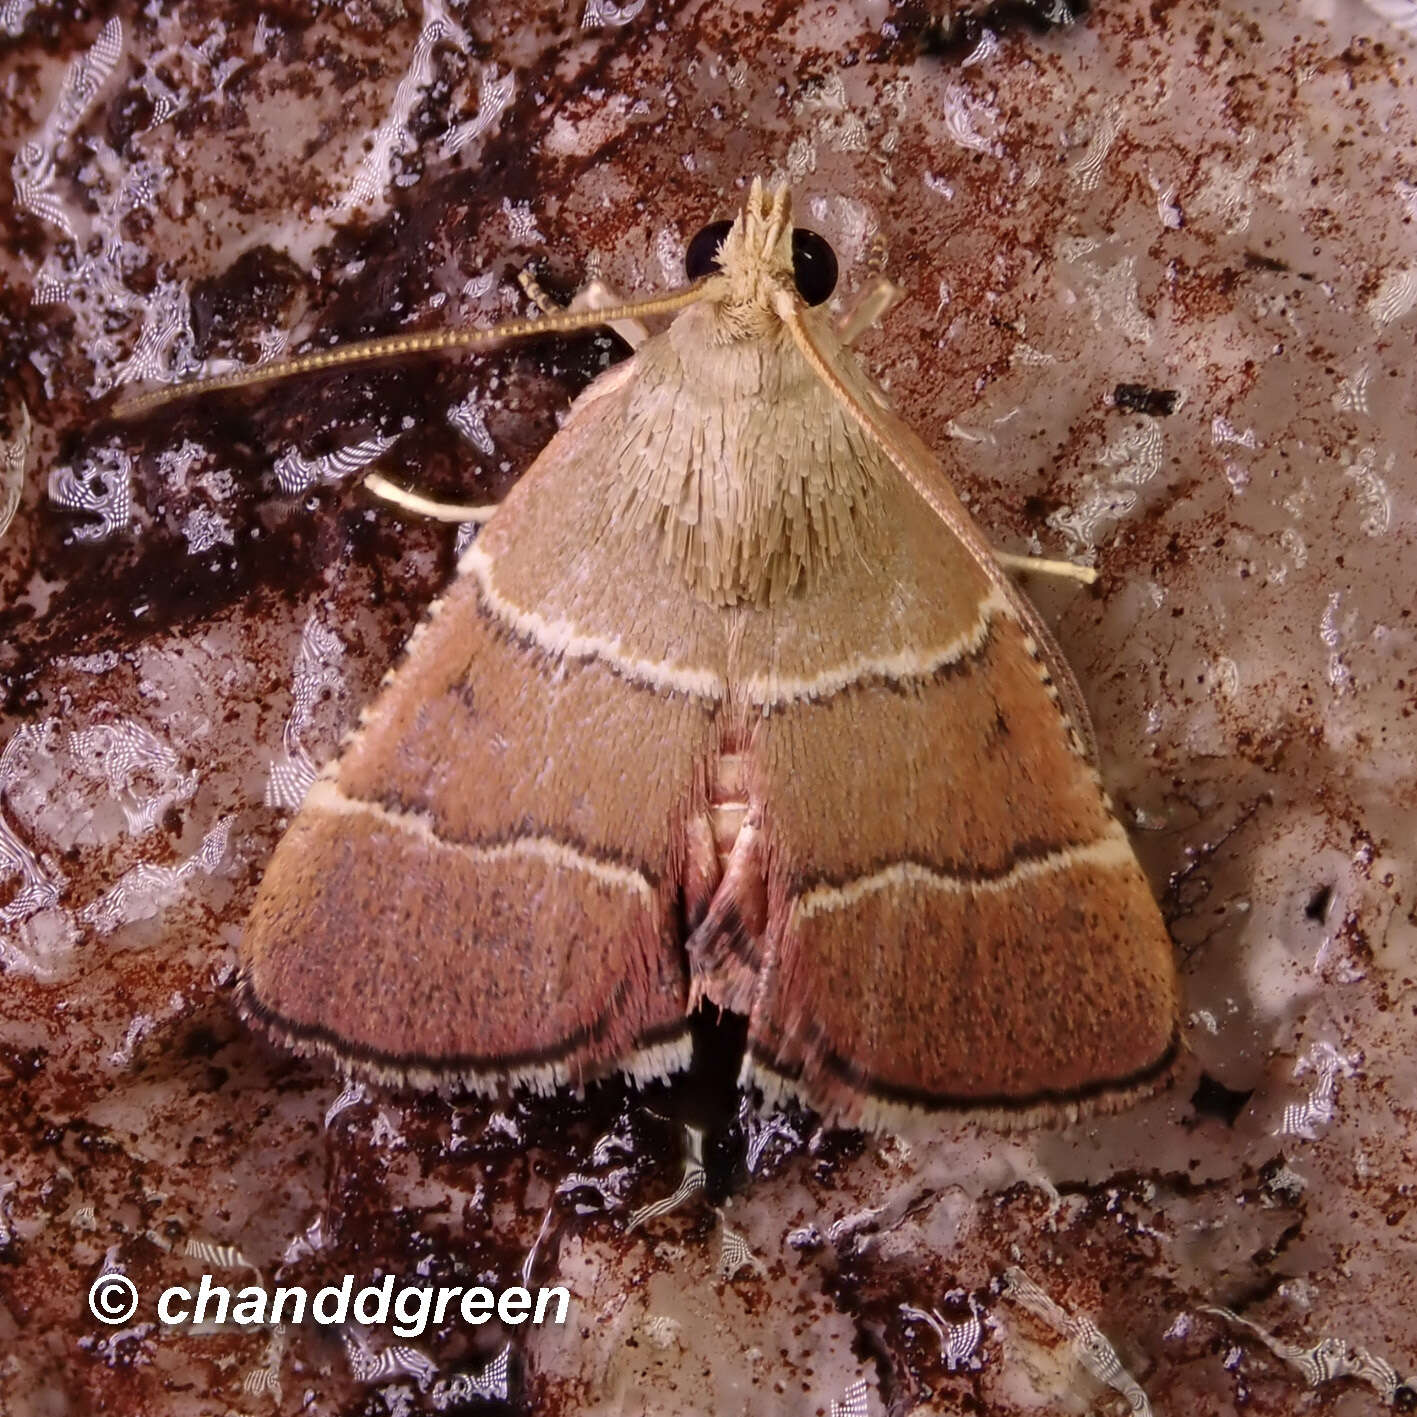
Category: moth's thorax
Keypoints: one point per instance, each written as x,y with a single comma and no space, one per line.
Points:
740,461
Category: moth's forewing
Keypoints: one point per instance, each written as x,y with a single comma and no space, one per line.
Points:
485,886
957,919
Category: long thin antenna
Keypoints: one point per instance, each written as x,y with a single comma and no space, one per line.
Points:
391,345
922,470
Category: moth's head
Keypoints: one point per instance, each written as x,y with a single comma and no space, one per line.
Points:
750,260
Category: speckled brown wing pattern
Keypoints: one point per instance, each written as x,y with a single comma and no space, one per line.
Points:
956,919
484,886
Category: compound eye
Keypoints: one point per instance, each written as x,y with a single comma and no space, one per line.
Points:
701,259
813,265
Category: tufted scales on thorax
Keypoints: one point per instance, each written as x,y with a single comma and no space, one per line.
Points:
742,464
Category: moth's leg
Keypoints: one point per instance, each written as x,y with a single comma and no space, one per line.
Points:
1043,567
537,294
425,506
594,295
871,305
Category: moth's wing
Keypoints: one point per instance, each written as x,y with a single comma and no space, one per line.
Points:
956,919
893,440
485,886
930,480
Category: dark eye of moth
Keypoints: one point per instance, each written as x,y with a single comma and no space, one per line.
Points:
701,258
813,260
813,265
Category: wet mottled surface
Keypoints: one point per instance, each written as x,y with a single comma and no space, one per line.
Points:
1162,293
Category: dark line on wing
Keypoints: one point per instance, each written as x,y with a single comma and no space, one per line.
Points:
1033,849
526,828
905,685
551,664
346,1049
900,684
874,1087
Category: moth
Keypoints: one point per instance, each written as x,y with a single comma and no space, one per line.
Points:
729,703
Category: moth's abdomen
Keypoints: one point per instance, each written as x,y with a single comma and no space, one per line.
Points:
728,802
726,884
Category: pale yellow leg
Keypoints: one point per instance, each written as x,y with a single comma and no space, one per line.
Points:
870,307
595,295
425,506
1043,567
